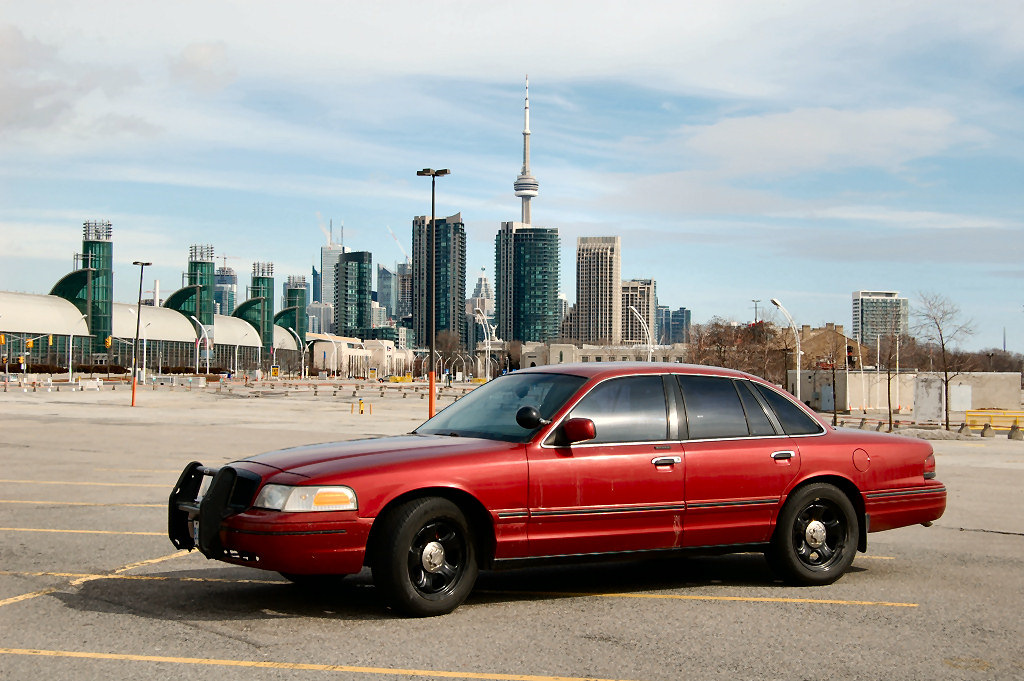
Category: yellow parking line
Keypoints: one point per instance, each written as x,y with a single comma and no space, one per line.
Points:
681,597
79,503
428,673
46,529
80,578
85,576
78,482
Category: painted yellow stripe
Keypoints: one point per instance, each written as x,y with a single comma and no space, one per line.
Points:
46,529
78,482
79,503
81,579
252,664
680,597
863,557
142,578
25,597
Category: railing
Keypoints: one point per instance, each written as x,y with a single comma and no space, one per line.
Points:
997,418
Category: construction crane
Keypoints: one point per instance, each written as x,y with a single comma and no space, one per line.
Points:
399,244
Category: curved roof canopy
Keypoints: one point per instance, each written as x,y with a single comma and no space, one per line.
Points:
284,340
32,313
234,331
158,323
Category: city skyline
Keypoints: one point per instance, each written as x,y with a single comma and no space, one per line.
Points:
740,150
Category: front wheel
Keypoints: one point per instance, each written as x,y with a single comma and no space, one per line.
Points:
815,538
424,559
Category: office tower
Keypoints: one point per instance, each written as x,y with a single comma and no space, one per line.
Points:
450,277
639,295
353,289
526,282
316,289
483,296
598,312
225,290
879,314
330,256
662,324
387,290
293,311
321,317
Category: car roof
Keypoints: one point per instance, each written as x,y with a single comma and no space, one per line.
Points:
612,369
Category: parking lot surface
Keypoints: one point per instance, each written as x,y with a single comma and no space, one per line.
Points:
91,588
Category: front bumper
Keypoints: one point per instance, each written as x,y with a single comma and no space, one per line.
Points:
223,526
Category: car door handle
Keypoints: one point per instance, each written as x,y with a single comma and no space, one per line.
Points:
784,455
666,460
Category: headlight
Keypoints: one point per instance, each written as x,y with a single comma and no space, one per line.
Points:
296,499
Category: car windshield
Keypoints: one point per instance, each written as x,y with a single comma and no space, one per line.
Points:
489,412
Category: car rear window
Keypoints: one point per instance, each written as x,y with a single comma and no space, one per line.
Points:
713,408
793,419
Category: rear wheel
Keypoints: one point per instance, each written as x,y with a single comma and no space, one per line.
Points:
424,559
815,538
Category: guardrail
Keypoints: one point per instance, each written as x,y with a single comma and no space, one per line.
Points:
998,419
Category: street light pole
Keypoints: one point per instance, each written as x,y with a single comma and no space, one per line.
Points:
432,299
796,335
138,327
647,332
302,354
206,344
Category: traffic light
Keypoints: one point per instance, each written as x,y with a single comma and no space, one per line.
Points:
30,343
107,342
51,339
3,339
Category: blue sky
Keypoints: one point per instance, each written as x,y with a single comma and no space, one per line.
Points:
743,150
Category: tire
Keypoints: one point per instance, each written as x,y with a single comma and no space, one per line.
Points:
424,557
815,537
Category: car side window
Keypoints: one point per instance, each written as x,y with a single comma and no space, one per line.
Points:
713,408
630,409
757,419
793,419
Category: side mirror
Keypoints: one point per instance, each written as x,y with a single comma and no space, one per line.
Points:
529,418
579,430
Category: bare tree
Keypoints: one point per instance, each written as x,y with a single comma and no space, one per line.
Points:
941,324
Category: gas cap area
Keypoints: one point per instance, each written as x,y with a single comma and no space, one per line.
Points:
861,460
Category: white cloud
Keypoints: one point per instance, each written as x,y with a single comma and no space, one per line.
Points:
204,66
828,139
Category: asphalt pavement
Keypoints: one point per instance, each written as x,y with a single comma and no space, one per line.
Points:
91,588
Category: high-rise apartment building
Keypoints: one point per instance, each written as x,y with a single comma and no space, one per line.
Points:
679,326
598,311
526,282
639,295
404,305
353,293
879,314
449,273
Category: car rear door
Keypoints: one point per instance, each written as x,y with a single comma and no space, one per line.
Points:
738,462
622,491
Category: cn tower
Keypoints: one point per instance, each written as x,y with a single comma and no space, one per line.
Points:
526,185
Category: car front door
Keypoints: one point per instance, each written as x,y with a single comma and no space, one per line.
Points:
738,462
621,491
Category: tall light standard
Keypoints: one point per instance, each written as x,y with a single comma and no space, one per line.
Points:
647,332
302,354
138,327
206,344
432,298
71,344
796,334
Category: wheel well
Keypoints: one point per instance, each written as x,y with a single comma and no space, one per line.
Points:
852,493
478,517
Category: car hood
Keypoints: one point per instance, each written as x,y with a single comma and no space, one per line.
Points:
338,457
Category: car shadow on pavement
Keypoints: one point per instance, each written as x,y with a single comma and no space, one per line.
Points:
230,593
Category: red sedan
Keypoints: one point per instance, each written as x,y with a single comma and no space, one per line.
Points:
565,462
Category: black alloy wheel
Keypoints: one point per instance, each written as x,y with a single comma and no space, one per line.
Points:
424,558
815,538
